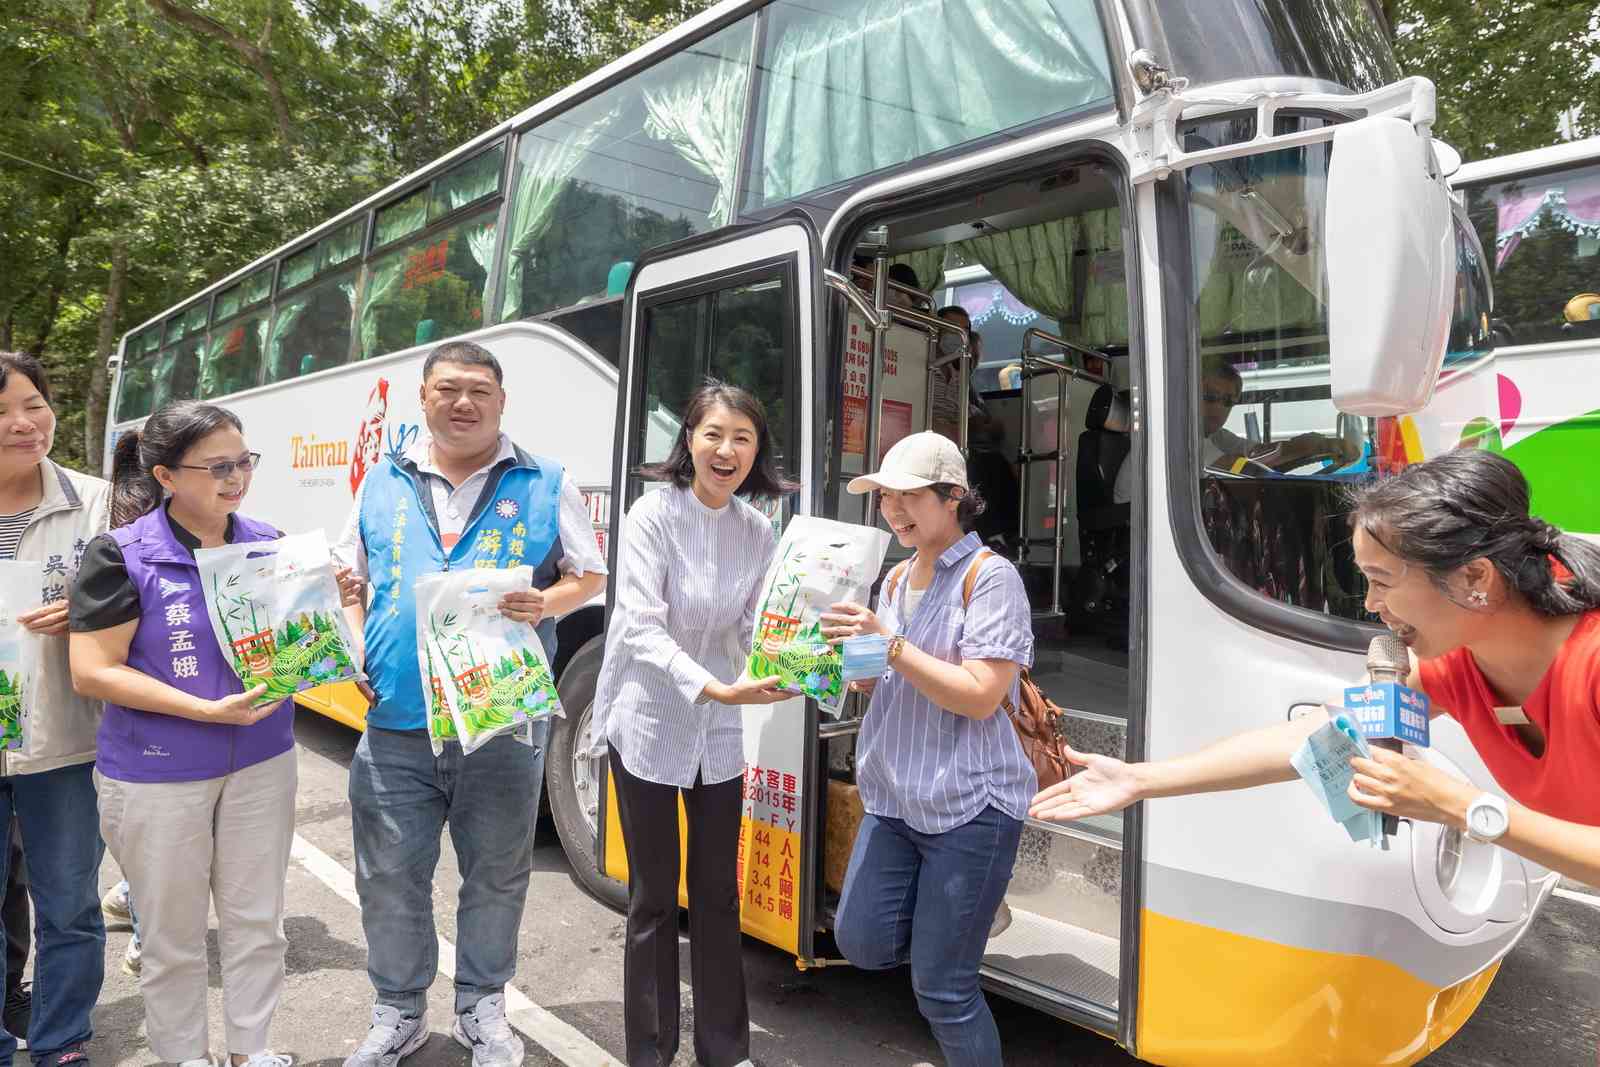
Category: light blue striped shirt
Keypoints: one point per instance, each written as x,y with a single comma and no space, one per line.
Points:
688,582
933,768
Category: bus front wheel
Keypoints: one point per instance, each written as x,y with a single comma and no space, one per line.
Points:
572,778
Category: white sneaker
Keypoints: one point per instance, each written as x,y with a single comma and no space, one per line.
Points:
206,1062
133,958
1002,919
114,906
484,1030
391,1038
266,1059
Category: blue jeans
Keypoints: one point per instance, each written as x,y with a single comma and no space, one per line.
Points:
929,899
60,822
401,797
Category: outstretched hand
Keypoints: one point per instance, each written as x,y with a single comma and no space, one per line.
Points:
1104,785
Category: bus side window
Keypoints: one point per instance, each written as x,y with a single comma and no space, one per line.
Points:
177,373
232,360
428,290
311,331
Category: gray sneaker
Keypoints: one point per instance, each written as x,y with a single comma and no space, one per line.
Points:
483,1029
391,1038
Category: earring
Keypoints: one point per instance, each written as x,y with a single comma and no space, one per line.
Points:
1478,598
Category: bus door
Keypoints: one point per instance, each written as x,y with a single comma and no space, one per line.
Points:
737,307
1038,265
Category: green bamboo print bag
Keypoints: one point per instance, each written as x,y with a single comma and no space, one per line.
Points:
20,582
484,674
275,611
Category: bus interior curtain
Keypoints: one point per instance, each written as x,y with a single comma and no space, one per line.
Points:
1070,270
852,88
381,284
927,264
546,161
281,364
702,118
480,240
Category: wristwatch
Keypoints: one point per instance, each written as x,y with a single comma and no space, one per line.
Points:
1487,818
897,644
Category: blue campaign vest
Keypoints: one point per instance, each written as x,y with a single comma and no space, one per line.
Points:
517,523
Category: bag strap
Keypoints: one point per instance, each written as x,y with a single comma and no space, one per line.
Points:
972,577
893,581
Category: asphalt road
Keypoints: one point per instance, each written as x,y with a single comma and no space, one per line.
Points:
1541,1010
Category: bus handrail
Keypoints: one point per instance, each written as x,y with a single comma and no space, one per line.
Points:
1034,333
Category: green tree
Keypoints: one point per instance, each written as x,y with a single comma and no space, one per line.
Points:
1510,72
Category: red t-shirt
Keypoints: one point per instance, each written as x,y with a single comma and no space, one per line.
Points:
1565,781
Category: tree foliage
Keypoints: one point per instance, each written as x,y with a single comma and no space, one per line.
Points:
148,147
1510,72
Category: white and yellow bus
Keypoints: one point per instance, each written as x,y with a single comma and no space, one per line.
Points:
1145,187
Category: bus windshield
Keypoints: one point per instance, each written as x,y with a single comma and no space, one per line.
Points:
1275,455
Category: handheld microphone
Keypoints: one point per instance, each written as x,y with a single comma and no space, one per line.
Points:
1386,710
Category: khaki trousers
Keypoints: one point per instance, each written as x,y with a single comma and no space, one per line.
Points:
183,845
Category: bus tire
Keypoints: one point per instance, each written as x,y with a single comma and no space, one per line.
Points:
568,781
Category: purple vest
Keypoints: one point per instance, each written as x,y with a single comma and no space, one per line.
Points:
174,642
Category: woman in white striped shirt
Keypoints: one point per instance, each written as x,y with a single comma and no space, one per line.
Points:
689,572
943,777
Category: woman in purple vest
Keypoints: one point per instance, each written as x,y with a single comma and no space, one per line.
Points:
196,780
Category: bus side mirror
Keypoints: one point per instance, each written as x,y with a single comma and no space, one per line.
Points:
1391,264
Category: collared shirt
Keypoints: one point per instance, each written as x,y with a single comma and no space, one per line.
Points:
931,767
454,505
688,582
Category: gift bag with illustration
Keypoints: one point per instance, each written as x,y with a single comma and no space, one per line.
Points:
20,582
275,610
488,672
819,563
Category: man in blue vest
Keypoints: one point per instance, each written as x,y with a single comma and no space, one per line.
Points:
462,495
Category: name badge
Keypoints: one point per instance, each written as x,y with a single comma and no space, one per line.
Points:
1512,715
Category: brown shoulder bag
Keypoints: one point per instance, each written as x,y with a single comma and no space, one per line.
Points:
1034,716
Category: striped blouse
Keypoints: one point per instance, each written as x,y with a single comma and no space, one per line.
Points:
933,768
688,581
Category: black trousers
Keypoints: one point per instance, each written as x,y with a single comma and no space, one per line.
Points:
649,815
15,913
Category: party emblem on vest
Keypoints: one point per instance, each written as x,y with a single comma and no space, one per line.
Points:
506,508
168,588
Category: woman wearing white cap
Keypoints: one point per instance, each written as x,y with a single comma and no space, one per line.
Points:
943,777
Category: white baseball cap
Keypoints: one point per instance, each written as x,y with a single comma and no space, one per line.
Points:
916,462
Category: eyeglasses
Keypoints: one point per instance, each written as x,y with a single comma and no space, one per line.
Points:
224,470
1229,399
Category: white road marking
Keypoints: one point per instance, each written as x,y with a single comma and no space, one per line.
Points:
1582,898
562,1040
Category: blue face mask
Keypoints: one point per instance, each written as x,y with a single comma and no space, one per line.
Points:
864,656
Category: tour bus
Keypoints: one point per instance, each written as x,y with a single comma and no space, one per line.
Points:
1538,213
1150,189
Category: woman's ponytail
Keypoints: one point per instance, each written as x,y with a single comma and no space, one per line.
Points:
134,490
1555,593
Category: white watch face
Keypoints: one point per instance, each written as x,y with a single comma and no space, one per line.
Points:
1486,820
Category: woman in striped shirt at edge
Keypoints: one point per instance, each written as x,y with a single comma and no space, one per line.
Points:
943,777
691,563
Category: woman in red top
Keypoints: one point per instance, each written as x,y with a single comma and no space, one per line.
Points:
1502,613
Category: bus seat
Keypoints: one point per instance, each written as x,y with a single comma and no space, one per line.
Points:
1105,538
